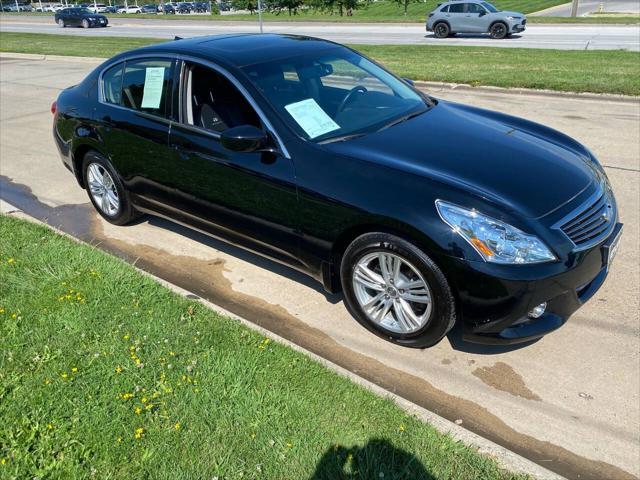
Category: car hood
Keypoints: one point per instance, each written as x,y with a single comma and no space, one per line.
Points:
523,166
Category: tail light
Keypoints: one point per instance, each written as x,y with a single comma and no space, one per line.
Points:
54,107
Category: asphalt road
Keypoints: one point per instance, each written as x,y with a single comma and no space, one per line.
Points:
586,7
563,37
569,402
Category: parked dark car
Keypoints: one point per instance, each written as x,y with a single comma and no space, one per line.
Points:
111,9
423,212
183,8
201,7
169,9
149,9
79,17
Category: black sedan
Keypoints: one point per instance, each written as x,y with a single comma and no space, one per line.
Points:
79,17
423,212
151,8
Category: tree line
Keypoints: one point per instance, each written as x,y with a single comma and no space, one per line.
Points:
340,7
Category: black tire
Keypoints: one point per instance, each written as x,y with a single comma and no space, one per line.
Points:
61,23
85,23
441,30
498,31
126,212
443,314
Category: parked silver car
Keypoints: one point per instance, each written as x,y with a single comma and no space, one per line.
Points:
474,17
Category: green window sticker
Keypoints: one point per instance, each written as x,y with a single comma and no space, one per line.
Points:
153,83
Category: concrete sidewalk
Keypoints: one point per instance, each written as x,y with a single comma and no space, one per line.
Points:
569,402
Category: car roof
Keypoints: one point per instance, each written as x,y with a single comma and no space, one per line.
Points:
241,50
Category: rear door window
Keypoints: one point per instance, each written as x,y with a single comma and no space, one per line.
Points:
147,86
457,8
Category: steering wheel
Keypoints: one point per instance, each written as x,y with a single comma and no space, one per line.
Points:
348,96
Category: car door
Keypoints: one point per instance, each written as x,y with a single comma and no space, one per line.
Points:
476,18
249,198
133,121
457,17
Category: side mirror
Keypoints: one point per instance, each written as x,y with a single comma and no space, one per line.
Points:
482,14
243,138
409,81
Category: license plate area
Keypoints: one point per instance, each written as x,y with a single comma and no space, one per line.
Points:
610,249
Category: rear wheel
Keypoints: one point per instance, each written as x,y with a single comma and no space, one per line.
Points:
106,191
441,30
61,23
396,291
498,31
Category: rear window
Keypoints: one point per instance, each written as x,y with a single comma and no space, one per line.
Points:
456,8
146,85
445,9
112,84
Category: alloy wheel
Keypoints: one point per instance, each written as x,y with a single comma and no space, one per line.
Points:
103,189
392,292
442,30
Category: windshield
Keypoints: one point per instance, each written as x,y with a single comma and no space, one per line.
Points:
334,94
490,7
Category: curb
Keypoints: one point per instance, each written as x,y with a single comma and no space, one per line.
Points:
430,87
506,459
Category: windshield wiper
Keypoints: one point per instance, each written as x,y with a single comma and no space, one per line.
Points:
401,120
342,138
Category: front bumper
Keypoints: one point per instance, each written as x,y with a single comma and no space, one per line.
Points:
494,307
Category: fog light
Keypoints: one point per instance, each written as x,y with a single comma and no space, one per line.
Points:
538,311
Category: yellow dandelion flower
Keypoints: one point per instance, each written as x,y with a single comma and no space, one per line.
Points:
177,426
14,315
49,426
143,399
401,428
118,369
289,445
47,381
74,370
64,375
3,461
253,436
139,433
1,310
119,439
350,456
138,410
126,337
11,260
149,406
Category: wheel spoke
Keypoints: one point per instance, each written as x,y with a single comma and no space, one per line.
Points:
403,321
369,278
104,203
383,260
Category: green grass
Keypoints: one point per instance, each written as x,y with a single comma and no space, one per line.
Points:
104,373
623,20
563,70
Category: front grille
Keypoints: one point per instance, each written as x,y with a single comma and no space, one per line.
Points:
592,222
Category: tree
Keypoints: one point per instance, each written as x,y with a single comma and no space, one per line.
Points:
251,5
277,6
340,5
405,3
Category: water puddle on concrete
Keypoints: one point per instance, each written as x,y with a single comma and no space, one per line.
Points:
206,279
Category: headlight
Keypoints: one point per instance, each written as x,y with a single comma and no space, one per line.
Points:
494,240
513,18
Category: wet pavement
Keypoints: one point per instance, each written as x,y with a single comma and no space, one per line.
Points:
569,401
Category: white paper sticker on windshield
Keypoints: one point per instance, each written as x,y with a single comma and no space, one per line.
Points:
311,117
153,82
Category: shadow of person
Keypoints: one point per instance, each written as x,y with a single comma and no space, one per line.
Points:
378,459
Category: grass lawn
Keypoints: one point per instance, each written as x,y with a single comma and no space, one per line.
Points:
105,373
563,70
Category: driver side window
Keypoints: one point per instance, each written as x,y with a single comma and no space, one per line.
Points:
212,102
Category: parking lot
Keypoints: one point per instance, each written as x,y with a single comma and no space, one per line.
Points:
569,402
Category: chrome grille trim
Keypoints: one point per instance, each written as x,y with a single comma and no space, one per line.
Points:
593,221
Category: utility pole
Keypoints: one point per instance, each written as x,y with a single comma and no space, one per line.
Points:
574,8
260,14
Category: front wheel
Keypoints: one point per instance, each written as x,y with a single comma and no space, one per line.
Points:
498,31
441,30
85,23
61,23
396,291
106,191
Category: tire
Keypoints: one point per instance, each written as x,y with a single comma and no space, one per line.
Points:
85,23
498,31
441,30
124,213
431,320
61,23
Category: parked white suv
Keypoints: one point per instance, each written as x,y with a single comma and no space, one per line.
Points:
130,9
